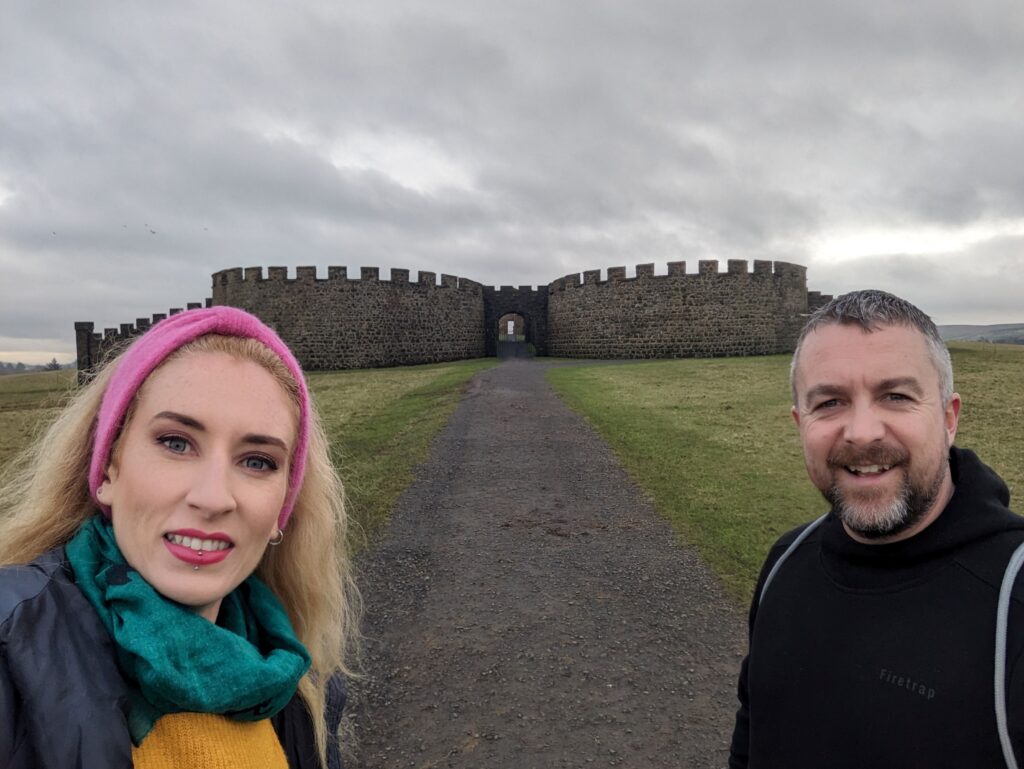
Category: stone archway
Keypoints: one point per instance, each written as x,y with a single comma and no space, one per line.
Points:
528,304
511,327
513,338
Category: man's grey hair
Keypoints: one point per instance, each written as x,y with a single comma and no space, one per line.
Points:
873,310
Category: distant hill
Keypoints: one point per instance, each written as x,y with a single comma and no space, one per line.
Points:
1002,333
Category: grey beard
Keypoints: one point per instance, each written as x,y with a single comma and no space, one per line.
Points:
910,506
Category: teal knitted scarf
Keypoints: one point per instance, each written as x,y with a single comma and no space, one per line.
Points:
247,665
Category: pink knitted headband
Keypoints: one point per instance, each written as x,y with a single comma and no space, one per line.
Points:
152,348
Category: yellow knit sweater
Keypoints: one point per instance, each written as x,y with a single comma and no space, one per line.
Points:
208,741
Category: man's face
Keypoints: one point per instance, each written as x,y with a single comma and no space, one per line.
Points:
875,432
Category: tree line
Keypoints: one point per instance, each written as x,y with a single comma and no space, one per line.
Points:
22,368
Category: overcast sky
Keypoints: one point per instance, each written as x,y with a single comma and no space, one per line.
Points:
144,146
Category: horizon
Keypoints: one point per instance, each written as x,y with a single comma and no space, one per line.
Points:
39,358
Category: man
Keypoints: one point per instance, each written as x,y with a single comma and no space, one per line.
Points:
873,643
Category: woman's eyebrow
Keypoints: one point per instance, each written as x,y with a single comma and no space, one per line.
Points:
259,439
183,419
265,440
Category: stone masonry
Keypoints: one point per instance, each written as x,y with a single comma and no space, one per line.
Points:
678,315
340,322
365,323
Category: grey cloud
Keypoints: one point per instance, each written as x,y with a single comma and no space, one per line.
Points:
592,133
985,281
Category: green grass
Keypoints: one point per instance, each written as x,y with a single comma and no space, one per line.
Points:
380,423
713,445
28,402
711,441
990,379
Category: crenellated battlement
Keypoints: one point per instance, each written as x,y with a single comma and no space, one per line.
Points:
749,309
515,290
359,319
352,318
93,347
399,276
705,269
816,300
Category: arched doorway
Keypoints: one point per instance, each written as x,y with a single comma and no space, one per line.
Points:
530,304
512,341
511,328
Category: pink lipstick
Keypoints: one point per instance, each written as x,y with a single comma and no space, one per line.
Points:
198,548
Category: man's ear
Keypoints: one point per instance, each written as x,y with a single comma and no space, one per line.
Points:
796,415
952,417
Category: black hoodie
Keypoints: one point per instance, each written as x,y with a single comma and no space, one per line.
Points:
875,656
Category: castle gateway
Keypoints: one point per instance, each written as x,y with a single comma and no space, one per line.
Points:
340,322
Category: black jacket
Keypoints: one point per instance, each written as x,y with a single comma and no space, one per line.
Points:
63,701
882,655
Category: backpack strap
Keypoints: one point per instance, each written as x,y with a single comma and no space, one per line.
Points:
1002,620
789,550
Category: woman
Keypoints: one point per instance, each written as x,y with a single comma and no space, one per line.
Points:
175,590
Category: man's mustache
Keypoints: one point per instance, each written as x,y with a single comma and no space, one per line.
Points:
870,455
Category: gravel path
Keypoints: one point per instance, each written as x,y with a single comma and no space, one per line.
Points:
528,608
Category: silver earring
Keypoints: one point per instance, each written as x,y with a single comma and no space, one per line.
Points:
196,567
278,539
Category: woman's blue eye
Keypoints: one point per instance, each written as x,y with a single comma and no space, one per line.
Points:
259,463
175,443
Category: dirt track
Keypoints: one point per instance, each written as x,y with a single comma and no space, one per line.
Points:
528,608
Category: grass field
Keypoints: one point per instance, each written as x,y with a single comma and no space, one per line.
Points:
712,442
380,423
27,403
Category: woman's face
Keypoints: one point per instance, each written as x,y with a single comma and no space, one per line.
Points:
199,476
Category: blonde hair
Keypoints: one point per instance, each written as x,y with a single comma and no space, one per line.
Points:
45,500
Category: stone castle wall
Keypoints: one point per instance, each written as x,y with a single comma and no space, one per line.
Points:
93,348
337,322
678,315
